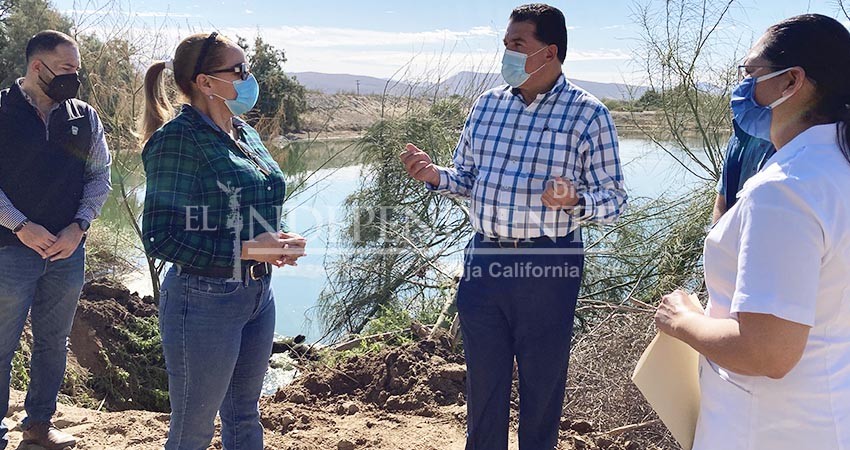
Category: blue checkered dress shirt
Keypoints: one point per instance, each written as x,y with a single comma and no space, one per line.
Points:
509,151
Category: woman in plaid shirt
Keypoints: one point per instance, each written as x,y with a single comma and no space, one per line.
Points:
213,209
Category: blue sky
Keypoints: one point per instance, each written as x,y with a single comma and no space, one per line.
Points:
422,38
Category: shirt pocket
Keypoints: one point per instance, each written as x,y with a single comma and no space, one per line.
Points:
558,154
213,286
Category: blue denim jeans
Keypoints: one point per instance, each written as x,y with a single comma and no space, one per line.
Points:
50,291
217,338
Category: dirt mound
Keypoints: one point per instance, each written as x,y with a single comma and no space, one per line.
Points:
105,292
417,377
425,379
115,340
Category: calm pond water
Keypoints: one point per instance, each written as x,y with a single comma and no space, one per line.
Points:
316,211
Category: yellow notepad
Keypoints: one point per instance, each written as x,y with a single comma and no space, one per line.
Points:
668,376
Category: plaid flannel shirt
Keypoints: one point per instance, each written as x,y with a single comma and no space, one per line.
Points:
509,151
206,192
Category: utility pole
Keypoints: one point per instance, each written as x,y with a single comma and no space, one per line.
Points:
358,87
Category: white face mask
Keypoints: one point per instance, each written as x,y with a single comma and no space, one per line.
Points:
513,67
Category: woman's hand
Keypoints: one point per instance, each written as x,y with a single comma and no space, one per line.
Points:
274,248
674,310
295,245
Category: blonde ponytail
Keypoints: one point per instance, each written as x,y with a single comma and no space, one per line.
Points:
158,108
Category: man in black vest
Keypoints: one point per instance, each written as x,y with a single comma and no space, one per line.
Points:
54,180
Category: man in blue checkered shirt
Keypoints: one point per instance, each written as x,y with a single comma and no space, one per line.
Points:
536,159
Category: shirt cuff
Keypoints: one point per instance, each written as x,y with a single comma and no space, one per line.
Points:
86,214
589,209
444,182
12,219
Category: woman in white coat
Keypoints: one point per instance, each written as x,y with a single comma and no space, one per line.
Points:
775,338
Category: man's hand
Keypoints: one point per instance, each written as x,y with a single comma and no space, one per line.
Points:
36,237
419,165
560,194
674,309
66,243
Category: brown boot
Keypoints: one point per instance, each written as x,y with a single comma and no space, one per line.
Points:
48,436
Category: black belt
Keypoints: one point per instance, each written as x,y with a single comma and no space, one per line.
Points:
503,242
250,269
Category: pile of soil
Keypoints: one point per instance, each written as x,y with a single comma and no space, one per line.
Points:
425,379
417,377
115,342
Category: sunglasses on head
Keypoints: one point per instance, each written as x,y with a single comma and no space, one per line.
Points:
202,55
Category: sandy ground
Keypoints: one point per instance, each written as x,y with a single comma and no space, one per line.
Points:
402,397
315,428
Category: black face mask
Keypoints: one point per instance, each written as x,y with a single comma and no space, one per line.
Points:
61,87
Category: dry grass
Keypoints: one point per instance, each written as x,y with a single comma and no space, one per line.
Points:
600,387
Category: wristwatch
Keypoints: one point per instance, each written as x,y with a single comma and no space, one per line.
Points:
83,224
21,226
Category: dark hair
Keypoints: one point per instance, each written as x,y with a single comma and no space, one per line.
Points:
47,41
188,64
821,46
550,26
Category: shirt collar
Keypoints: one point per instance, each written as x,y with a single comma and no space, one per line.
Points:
817,135
559,85
205,119
20,83
826,134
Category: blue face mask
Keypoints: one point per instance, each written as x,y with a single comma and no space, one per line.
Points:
247,94
753,118
513,67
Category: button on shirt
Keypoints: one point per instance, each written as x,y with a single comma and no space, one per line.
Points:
509,152
784,250
206,192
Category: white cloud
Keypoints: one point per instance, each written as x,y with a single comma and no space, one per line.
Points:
140,14
422,54
598,55
416,55
419,54
308,36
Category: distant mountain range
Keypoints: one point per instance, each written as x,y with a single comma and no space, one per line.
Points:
464,83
